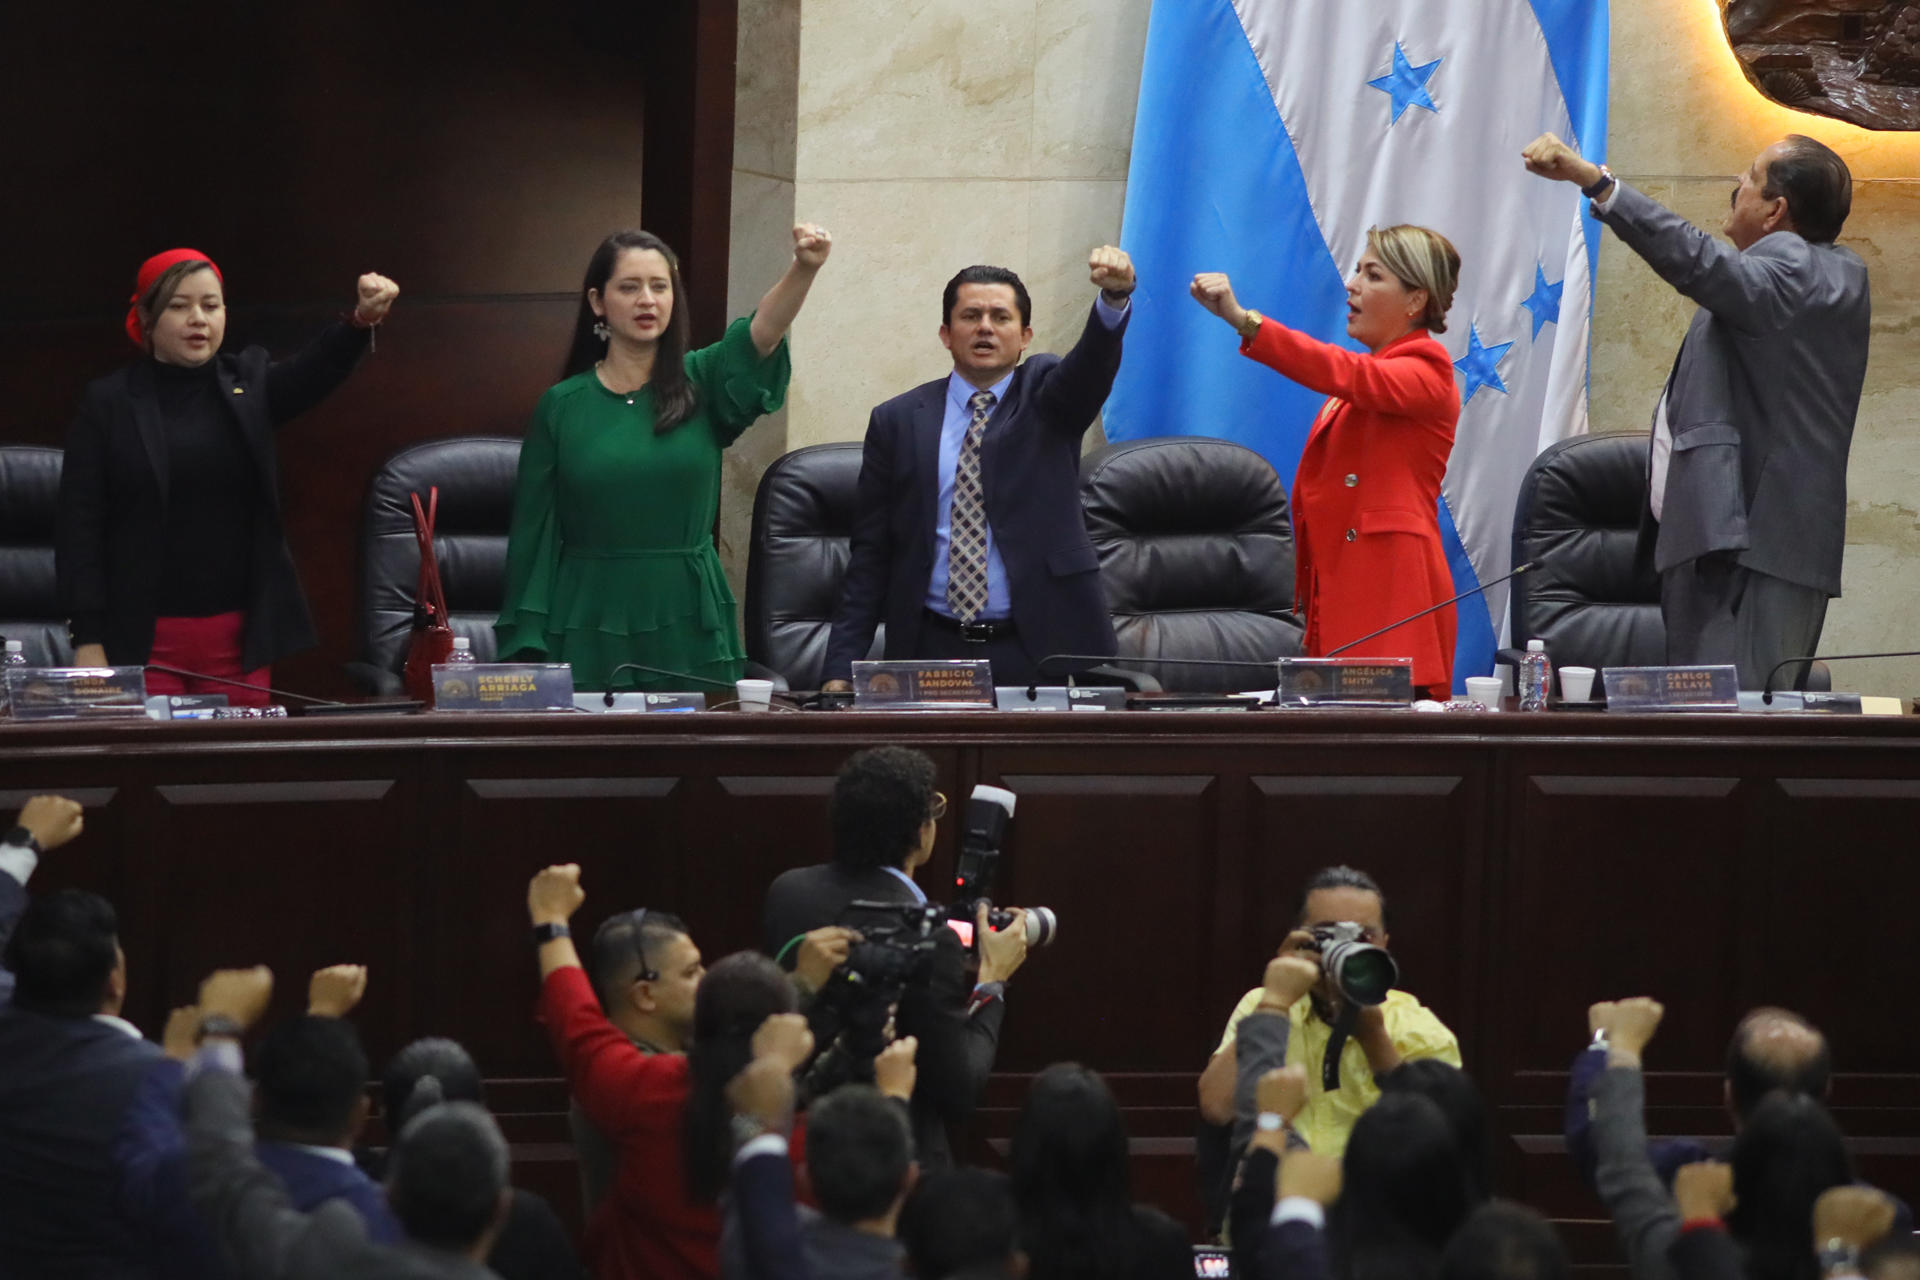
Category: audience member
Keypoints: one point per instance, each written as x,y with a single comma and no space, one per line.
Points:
1279,1096
533,1243
736,997
45,823
885,813
1072,1182
1302,1030
71,1065
447,1184
762,1098
962,1224
1459,1100
1505,1241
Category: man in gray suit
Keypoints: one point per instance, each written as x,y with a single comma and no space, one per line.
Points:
1747,492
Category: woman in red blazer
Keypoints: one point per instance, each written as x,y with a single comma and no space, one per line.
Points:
1366,527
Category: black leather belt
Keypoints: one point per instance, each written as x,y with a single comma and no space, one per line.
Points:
974,632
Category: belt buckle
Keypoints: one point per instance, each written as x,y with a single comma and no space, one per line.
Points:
976,632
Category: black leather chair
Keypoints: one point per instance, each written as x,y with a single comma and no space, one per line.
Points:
29,596
475,475
1196,557
802,523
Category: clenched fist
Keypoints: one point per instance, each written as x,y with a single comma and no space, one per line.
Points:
555,894
1548,157
1212,290
333,992
1288,978
1703,1190
1112,271
1631,1024
240,994
53,820
894,1069
811,245
376,295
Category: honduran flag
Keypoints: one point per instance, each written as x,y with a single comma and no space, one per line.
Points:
1271,134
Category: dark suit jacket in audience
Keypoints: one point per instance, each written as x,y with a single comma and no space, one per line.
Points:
1294,1251
13,905
64,1086
261,1230
760,1204
956,1051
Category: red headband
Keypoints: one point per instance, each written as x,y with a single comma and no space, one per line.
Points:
152,269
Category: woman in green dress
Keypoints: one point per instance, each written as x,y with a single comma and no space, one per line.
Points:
611,557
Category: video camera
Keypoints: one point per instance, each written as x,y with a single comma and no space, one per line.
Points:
1360,971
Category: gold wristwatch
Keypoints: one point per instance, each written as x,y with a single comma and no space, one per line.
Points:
1250,324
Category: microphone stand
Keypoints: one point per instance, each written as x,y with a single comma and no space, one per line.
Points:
242,684
1528,567
1766,689
1039,668
661,671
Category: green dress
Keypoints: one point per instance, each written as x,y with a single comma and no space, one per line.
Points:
611,555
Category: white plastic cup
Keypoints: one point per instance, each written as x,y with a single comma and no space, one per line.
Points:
1485,690
1576,683
754,695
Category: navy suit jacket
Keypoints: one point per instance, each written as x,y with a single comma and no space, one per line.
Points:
64,1085
1030,478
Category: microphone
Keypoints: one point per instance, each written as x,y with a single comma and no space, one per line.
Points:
662,671
1528,567
1033,690
1766,690
242,684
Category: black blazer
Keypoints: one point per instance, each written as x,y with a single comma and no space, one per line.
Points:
112,522
1030,474
956,1051
64,1087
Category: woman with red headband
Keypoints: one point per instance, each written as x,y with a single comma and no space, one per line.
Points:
169,547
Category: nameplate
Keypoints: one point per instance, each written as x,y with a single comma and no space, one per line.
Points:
76,693
502,686
1702,688
1060,698
1344,682
923,686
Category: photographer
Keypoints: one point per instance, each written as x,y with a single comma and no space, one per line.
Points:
885,812
1382,1036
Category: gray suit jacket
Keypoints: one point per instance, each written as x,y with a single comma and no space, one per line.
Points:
1643,1212
1762,397
248,1209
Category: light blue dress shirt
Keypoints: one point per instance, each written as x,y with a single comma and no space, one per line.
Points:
919,894
953,434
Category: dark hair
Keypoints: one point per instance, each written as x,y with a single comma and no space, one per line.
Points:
620,953
1787,1152
154,301
426,1073
880,798
1505,1241
674,394
1404,1191
1459,1100
1751,1078
986,275
1071,1183
63,953
859,1148
736,996
959,1220
1338,878
1817,184
309,1077
448,1169
1892,1257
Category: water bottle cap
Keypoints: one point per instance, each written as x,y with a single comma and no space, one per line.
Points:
1536,646
461,642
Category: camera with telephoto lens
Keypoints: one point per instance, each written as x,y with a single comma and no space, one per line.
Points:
851,1013
989,810
1360,971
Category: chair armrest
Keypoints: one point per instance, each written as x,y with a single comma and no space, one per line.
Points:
757,672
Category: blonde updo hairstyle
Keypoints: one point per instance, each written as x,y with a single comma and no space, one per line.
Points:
1420,259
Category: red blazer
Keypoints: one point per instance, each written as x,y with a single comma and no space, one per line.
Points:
1366,529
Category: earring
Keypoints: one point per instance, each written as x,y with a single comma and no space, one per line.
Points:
601,331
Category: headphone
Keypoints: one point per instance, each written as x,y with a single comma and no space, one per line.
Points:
647,972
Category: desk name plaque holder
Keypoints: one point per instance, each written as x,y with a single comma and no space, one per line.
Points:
1696,688
76,693
1346,682
923,685
503,686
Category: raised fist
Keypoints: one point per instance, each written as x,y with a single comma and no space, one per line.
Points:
1548,157
1631,1023
335,990
1212,290
555,894
1283,1091
894,1069
811,245
786,1038
240,994
376,295
53,820
1111,270
1309,1174
1703,1190
1289,977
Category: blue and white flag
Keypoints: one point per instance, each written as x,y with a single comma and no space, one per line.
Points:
1271,134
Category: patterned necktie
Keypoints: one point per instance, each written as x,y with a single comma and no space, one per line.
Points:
967,523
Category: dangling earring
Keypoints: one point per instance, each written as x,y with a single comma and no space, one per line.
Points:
601,331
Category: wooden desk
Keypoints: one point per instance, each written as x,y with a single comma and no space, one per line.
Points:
1533,863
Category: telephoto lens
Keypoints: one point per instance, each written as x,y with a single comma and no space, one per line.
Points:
1042,925
1362,972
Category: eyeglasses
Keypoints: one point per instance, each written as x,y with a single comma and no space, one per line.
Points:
939,809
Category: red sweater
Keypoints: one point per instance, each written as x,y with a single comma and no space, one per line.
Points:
646,1228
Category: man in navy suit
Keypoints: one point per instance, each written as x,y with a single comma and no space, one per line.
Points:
968,540
45,823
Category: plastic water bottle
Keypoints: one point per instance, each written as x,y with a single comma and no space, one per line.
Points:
15,660
462,655
1536,677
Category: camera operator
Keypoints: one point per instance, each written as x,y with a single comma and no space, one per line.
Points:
885,812
1382,1037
